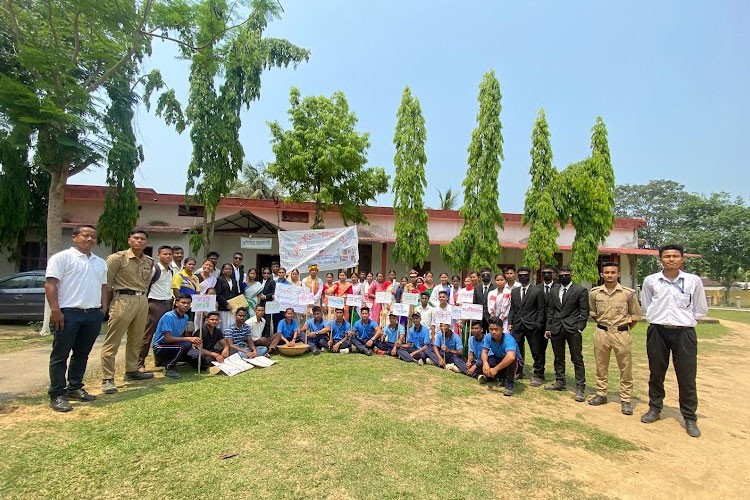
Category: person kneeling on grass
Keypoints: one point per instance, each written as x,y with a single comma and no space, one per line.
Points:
448,350
317,331
240,340
288,328
170,346
474,362
340,334
390,338
367,332
213,345
500,357
417,342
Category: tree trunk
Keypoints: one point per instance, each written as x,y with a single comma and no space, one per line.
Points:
56,203
318,222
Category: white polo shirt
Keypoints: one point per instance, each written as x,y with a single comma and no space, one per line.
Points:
80,278
256,327
161,289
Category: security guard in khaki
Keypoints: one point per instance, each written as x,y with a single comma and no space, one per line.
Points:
616,310
128,274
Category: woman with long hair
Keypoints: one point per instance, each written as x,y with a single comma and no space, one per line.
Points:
327,292
227,288
340,289
253,287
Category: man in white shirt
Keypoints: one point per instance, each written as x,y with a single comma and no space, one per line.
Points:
238,268
425,309
177,255
674,301
160,299
510,279
257,324
75,288
444,308
214,257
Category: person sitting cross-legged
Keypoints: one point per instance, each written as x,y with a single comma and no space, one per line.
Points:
213,345
170,346
417,342
240,340
257,325
340,328
288,328
390,338
317,331
476,341
448,350
500,357
367,332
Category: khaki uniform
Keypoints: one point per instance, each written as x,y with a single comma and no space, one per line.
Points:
127,313
619,308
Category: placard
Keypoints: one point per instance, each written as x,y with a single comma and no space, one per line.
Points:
288,294
465,296
203,303
383,297
299,308
455,312
442,316
411,299
273,307
353,300
306,299
472,311
400,309
335,302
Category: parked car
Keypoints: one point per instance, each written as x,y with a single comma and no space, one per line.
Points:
22,296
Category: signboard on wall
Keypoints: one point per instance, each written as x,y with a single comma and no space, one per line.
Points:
256,243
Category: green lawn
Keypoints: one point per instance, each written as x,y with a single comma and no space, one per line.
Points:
336,426
738,316
17,337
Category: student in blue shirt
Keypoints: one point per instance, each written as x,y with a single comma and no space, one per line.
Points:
288,328
170,346
367,332
500,357
317,331
476,340
340,333
448,350
417,342
390,338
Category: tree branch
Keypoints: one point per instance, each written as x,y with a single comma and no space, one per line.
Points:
83,166
193,47
76,38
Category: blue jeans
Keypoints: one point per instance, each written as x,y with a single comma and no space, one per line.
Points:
80,329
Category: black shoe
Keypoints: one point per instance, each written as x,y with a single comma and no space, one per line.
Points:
61,404
316,351
556,386
138,375
80,395
535,381
598,400
368,352
171,373
651,416
580,397
692,428
627,408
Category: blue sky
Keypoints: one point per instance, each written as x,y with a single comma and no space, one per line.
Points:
670,79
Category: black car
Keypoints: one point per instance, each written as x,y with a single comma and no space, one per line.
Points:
22,296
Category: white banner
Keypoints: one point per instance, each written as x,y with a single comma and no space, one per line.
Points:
335,248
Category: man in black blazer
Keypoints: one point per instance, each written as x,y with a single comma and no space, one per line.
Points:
526,321
268,293
567,313
482,291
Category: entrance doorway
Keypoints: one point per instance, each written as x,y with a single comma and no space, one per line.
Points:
264,260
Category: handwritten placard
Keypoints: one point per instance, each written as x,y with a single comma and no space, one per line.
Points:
299,308
353,300
409,298
335,302
306,299
455,312
442,316
383,297
273,307
465,296
203,303
400,309
472,311
288,294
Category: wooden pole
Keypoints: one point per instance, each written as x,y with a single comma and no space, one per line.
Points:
200,345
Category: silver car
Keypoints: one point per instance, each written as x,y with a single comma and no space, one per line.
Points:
22,296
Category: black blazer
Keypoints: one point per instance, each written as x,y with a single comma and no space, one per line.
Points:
269,290
540,286
224,292
528,314
480,298
571,315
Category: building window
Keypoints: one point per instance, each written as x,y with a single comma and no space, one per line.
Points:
33,256
289,216
190,210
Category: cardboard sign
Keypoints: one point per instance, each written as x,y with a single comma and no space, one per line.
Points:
465,297
288,294
442,316
400,309
472,311
335,302
273,307
353,300
203,303
455,312
383,297
411,299
306,299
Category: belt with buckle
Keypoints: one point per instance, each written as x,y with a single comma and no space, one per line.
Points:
81,310
160,300
125,291
673,327
621,328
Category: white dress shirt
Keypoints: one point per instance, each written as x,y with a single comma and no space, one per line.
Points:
681,302
80,278
161,289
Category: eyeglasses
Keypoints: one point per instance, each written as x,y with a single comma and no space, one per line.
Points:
238,258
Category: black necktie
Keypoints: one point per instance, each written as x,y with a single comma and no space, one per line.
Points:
546,289
523,293
565,290
485,290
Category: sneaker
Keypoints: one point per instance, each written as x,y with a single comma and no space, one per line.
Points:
108,386
80,395
508,391
556,386
171,373
421,362
627,408
368,352
535,381
344,351
600,400
354,349
482,379
61,404
324,349
429,362
580,397
138,375
316,351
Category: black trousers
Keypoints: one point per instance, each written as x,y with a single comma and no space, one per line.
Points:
537,345
575,345
78,335
683,344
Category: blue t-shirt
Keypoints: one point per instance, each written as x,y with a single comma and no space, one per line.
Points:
339,331
312,326
171,323
475,346
393,334
419,338
287,329
365,331
452,343
499,349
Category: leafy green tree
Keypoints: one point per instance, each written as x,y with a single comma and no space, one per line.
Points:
322,158
448,199
539,208
412,241
478,243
